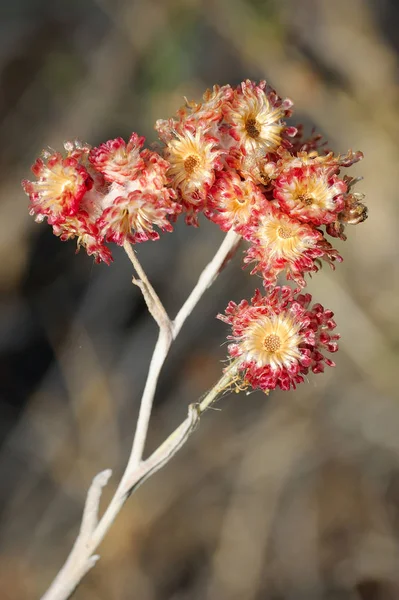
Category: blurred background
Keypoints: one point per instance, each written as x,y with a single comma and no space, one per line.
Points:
294,496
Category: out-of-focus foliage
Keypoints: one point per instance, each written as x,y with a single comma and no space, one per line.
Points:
291,496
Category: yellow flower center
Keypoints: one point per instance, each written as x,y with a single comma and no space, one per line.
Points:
272,342
58,185
242,200
191,163
266,179
281,237
307,200
252,128
284,233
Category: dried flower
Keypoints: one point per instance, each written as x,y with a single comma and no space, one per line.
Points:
193,116
282,244
255,115
261,168
194,160
118,161
309,189
234,202
131,211
88,236
353,212
277,339
62,183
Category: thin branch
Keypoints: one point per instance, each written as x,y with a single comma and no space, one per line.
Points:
90,512
207,277
155,306
168,331
64,585
165,338
81,558
158,358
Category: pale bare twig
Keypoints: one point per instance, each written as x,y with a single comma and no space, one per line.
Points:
154,305
92,532
169,330
207,277
165,338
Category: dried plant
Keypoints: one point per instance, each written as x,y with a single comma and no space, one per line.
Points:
233,158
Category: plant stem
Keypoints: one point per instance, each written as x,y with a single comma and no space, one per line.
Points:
92,531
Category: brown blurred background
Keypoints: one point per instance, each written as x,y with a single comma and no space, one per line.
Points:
295,496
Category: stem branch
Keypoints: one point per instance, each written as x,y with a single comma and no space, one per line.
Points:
92,531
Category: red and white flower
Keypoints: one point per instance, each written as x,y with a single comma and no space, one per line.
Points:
308,188
69,193
88,236
277,339
280,244
119,162
132,211
193,159
255,115
234,202
206,115
60,186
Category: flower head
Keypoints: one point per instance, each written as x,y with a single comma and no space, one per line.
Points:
69,192
354,211
193,162
276,339
88,236
60,186
211,109
281,244
234,202
131,211
255,115
118,161
192,116
261,168
309,189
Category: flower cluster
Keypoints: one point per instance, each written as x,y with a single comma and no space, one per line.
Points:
116,192
234,158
